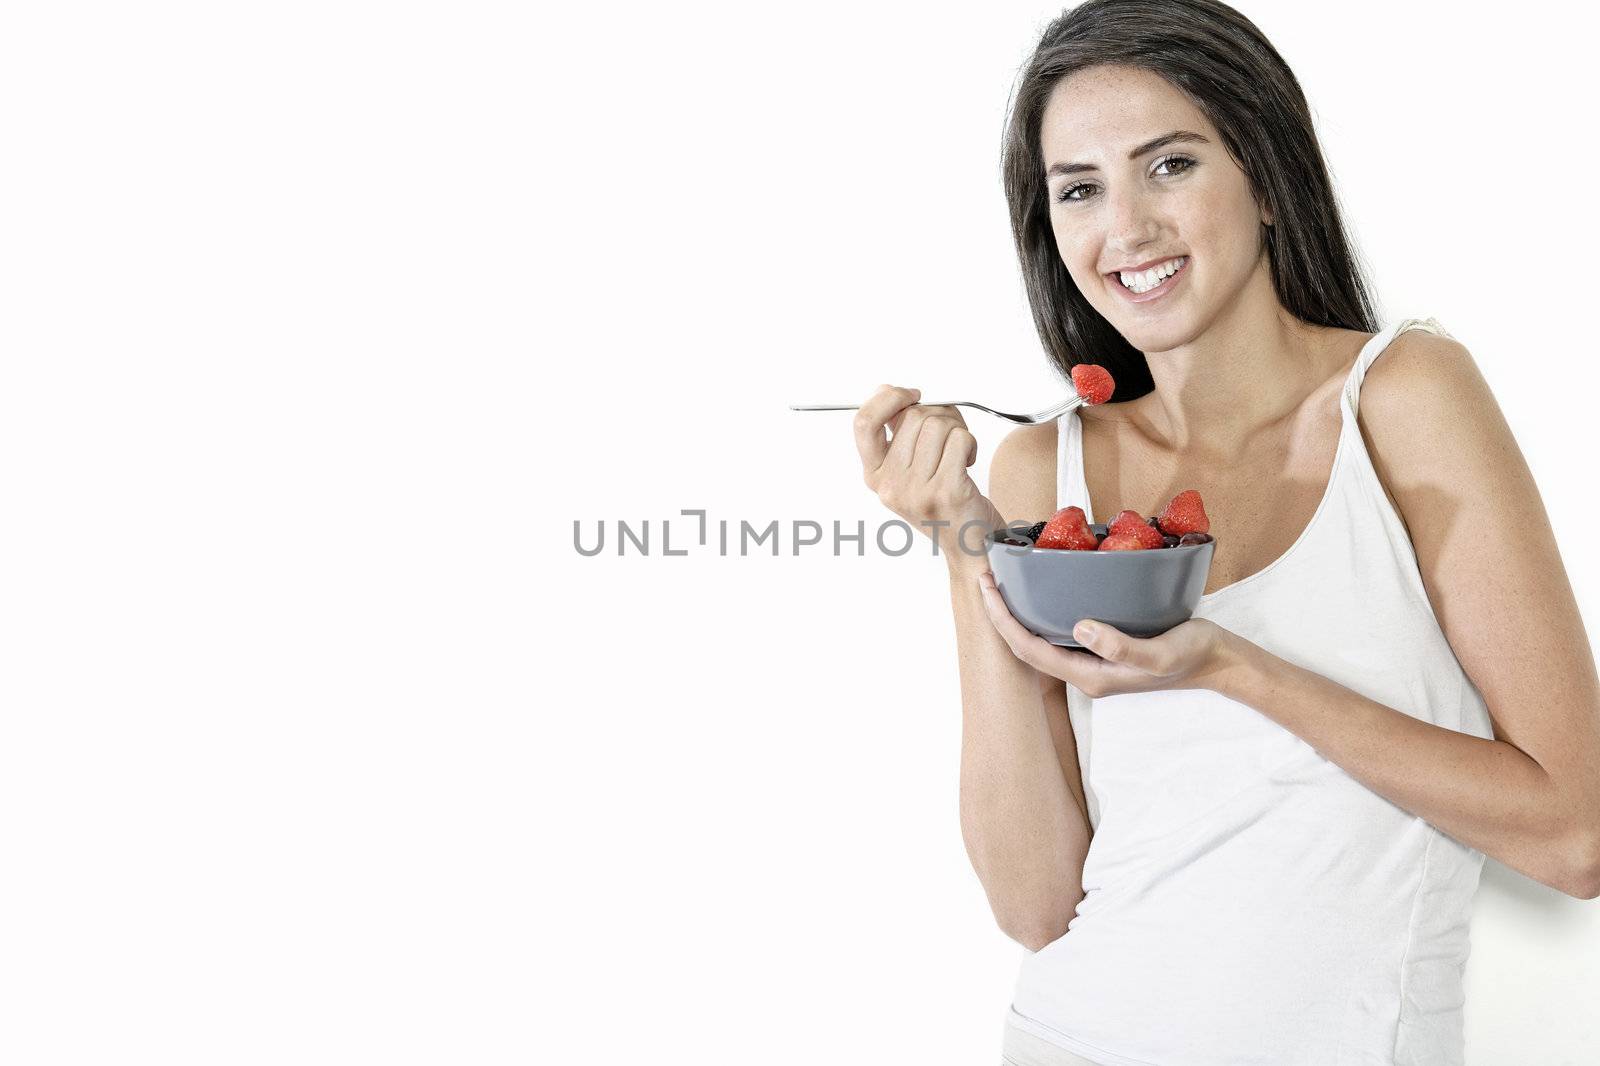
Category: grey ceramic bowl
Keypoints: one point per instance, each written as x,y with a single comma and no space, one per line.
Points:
1142,593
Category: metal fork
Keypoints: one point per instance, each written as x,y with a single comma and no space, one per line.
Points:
1049,414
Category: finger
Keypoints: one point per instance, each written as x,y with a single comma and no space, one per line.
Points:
904,444
1132,664
954,414
951,413
1116,663
874,414
960,449
1115,646
930,444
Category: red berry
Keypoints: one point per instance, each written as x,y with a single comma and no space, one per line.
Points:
1124,520
1121,542
1093,382
1132,523
1147,536
1068,528
1185,514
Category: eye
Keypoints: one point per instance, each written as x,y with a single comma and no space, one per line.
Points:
1182,162
1188,164
1066,192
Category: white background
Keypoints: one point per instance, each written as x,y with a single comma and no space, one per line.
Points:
323,322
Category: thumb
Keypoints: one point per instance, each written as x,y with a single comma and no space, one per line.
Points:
1108,642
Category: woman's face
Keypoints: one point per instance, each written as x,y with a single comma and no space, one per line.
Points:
1182,198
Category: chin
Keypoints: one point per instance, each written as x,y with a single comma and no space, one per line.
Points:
1156,336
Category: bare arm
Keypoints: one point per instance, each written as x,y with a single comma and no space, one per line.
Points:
1023,815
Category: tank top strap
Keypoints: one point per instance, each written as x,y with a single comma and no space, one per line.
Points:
1072,489
1370,352
1380,529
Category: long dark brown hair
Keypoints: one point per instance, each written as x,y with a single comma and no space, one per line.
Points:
1221,61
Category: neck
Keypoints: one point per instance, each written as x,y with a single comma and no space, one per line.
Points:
1251,368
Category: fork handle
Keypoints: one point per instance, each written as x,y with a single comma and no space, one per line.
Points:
857,407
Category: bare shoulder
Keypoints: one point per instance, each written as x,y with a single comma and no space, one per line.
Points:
1426,389
1022,474
1419,355
1429,419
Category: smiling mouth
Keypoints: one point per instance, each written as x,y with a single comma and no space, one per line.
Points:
1145,281
1145,286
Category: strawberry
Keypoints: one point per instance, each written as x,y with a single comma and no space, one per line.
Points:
1147,536
1122,542
1132,525
1093,382
1125,520
1068,528
1185,514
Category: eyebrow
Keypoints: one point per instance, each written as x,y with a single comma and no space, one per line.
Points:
1175,137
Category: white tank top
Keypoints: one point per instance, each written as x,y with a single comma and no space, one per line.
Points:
1246,901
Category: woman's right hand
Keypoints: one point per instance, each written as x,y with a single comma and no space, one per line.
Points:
921,475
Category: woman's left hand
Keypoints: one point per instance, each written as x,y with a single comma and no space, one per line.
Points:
1185,656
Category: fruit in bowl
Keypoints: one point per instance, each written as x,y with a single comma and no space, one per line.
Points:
1141,575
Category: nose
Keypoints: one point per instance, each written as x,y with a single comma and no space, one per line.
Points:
1133,224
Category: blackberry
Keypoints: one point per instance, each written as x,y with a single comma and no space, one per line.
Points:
1168,540
1035,529
1195,538
1014,542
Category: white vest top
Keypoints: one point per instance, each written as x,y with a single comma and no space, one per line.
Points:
1247,902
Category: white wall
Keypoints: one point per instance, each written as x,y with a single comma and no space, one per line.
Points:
323,322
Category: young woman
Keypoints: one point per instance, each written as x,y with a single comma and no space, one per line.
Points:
1255,838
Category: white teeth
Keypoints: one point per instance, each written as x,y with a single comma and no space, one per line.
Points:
1149,279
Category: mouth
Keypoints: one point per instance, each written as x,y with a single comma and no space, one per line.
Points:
1139,294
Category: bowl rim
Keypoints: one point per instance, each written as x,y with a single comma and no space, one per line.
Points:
990,541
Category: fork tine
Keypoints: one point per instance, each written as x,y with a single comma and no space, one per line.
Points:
1050,414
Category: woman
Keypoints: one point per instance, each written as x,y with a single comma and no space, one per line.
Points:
1290,795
